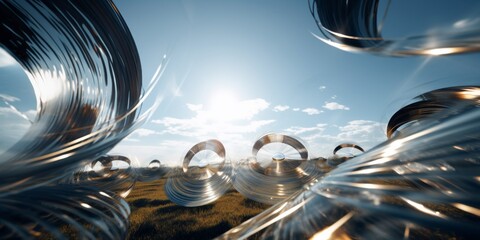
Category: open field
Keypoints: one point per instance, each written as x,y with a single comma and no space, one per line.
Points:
155,217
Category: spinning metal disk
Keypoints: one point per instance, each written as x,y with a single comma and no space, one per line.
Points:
278,168
204,177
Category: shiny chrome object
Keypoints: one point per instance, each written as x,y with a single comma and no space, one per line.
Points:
337,159
85,70
436,104
112,173
203,183
360,26
45,211
423,183
278,168
154,171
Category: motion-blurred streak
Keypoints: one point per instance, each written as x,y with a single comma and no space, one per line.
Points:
357,26
423,184
113,173
85,70
82,62
63,211
193,186
279,167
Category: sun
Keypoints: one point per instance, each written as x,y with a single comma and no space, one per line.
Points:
224,106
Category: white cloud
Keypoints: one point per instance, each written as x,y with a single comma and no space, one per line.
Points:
311,111
197,127
169,152
6,59
225,119
334,97
321,88
8,98
323,138
143,132
14,126
335,106
245,110
280,108
296,109
301,130
194,107
229,110
363,129
129,139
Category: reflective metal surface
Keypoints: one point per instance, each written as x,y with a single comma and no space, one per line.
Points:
64,211
154,171
359,26
112,173
279,167
85,70
203,183
337,159
432,105
422,184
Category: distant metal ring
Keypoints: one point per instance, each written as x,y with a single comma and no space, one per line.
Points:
347,145
280,138
212,144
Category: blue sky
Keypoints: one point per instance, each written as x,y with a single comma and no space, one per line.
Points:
239,69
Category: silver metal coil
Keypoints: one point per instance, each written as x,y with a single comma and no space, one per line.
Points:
279,167
194,186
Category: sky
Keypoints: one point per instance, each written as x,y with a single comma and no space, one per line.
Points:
240,69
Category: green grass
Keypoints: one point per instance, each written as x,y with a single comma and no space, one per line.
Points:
155,217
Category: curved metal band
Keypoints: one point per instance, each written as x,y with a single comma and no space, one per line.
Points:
433,102
280,138
412,112
212,144
108,159
346,145
155,161
354,22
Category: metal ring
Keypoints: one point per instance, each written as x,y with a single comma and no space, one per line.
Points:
199,185
444,101
347,145
275,176
212,145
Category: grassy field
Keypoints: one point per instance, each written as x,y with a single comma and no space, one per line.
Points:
155,217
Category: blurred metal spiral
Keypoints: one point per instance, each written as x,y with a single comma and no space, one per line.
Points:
154,171
85,70
423,184
337,159
357,26
84,67
193,186
279,167
113,173
432,105
63,211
